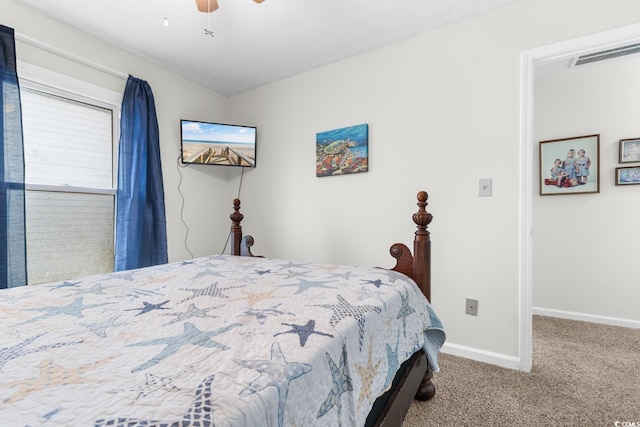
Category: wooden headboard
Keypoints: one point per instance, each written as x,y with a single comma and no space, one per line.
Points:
416,266
239,246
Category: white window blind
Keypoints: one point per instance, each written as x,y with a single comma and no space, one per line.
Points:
69,235
66,142
70,196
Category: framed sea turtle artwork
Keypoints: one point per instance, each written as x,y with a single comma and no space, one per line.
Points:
342,151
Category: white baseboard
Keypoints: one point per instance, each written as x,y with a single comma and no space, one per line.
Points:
502,360
512,362
583,317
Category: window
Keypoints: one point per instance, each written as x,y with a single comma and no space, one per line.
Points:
69,141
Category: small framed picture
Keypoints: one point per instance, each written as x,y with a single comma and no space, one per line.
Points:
630,150
570,165
342,151
629,175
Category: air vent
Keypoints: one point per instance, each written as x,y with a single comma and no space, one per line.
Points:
608,54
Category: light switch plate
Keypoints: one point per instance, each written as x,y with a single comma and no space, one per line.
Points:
485,187
472,307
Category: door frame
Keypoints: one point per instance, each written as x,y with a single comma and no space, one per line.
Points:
532,59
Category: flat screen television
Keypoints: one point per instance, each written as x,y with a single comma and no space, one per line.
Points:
206,143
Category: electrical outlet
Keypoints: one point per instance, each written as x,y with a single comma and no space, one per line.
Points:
472,307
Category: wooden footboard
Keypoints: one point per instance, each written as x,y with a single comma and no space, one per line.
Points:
415,380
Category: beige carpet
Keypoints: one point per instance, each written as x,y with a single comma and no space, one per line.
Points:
583,374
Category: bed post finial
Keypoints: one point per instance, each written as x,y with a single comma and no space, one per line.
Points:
422,246
236,228
422,218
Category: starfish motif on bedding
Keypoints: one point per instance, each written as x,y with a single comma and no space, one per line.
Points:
124,275
10,299
346,274
365,293
192,311
158,279
367,373
276,372
96,289
210,291
142,293
74,308
292,274
64,285
303,331
344,309
52,375
304,285
255,297
190,336
377,283
341,382
288,265
100,328
405,310
51,413
392,364
262,313
147,307
152,384
287,269
207,273
13,352
199,414
394,276
329,268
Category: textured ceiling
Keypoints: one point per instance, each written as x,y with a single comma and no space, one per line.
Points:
255,44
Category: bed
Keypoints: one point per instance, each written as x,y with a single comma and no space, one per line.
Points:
224,340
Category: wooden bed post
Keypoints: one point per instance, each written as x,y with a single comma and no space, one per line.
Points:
236,228
418,265
240,246
422,246
422,276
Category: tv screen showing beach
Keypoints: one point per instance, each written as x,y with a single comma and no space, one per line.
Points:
218,144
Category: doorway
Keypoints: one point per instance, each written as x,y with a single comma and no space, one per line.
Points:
533,61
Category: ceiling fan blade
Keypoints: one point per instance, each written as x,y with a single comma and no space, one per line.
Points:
207,6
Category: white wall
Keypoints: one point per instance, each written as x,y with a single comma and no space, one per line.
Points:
594,274
207,191
443,111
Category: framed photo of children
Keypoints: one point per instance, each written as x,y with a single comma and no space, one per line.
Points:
630,150
570,165
629,175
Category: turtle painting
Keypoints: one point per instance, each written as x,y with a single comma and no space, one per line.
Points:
342,151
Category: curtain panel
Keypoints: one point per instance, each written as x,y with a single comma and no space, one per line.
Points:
141,236
13,251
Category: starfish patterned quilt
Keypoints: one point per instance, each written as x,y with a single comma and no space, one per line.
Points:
216,341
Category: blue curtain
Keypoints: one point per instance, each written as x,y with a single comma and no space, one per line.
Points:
13,247
141,232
